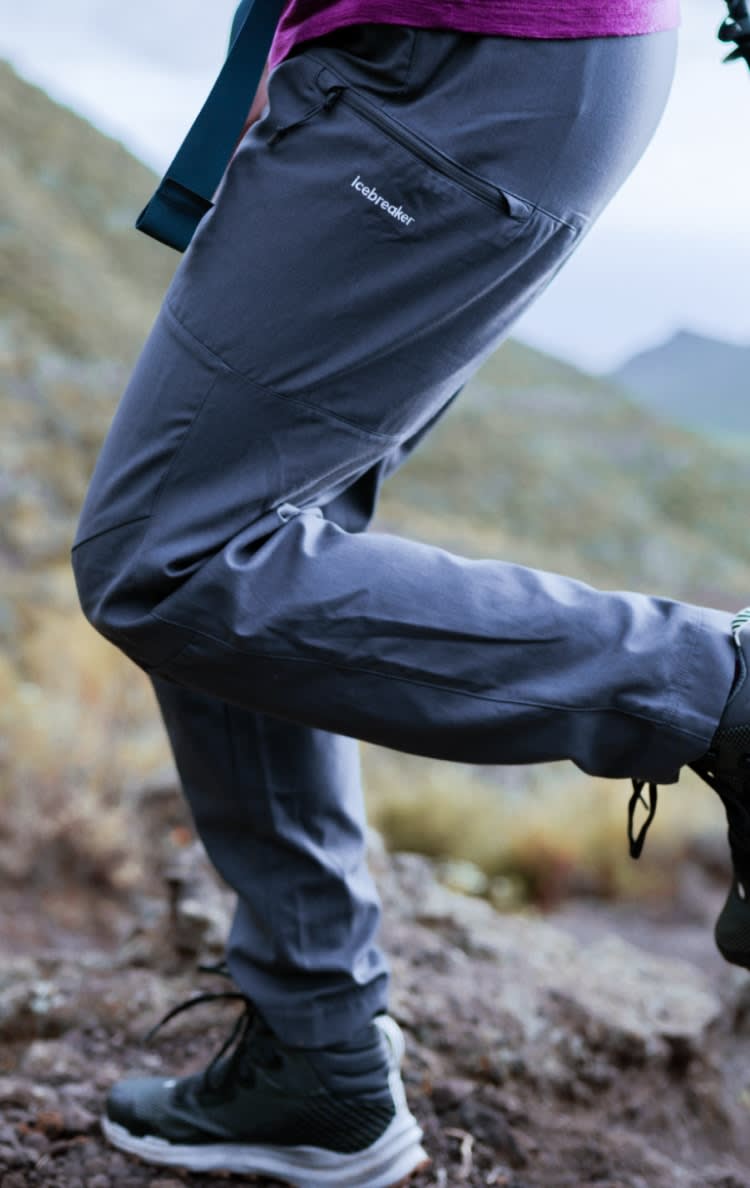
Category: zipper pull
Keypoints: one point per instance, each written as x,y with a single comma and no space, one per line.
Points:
277,135
331,96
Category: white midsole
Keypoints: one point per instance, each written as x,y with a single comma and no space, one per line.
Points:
386,1162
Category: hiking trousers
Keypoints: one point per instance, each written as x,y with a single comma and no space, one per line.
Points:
404,197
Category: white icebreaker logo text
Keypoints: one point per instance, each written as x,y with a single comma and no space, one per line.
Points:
372,195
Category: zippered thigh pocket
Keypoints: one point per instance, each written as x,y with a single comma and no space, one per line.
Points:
510,210
342,237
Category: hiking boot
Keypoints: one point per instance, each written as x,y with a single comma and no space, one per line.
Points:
726,768
310,1117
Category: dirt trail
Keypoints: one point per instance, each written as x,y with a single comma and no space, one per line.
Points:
538,1055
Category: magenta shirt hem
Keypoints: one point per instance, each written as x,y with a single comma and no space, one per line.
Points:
501,18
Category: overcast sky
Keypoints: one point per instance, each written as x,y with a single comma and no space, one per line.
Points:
671,251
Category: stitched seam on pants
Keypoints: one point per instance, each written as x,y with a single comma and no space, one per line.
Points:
110,528
412,51
390,438
574,709
181,445
168,469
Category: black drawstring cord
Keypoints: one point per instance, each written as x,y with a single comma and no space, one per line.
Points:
636,843
241,1025
191,1002
331,97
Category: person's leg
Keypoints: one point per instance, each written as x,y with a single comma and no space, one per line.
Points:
280,811
276,372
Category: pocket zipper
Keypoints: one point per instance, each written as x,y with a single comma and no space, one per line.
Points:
486,192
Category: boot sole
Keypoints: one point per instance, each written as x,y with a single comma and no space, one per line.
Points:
389,1162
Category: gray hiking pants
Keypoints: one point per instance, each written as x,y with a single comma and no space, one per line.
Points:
406,195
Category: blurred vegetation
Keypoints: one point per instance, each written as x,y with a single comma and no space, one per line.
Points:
76,278
536,463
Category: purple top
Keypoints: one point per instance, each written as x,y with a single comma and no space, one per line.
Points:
301,19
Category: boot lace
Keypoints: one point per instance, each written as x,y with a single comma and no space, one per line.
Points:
636,843
248,1043
736,799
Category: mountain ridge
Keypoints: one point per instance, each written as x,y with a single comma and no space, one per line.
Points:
694,380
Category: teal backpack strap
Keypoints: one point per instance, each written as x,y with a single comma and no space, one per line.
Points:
186,191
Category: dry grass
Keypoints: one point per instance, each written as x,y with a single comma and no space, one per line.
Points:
550,828
78,723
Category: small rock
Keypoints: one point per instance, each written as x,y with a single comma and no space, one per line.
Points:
450,1093
103,1181
551,1071
106,1075
50,1122
597,1074
31,1005
119,1166
725,1180
95,1159
15,1092
78,1120
34,1140
7,1134
23,1155
491,1127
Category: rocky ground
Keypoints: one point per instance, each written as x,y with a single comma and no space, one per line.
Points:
601,1045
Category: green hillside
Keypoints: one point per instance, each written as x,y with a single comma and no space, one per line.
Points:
76,277
78,291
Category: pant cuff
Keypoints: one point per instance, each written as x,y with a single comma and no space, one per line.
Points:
703,679
320,1024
